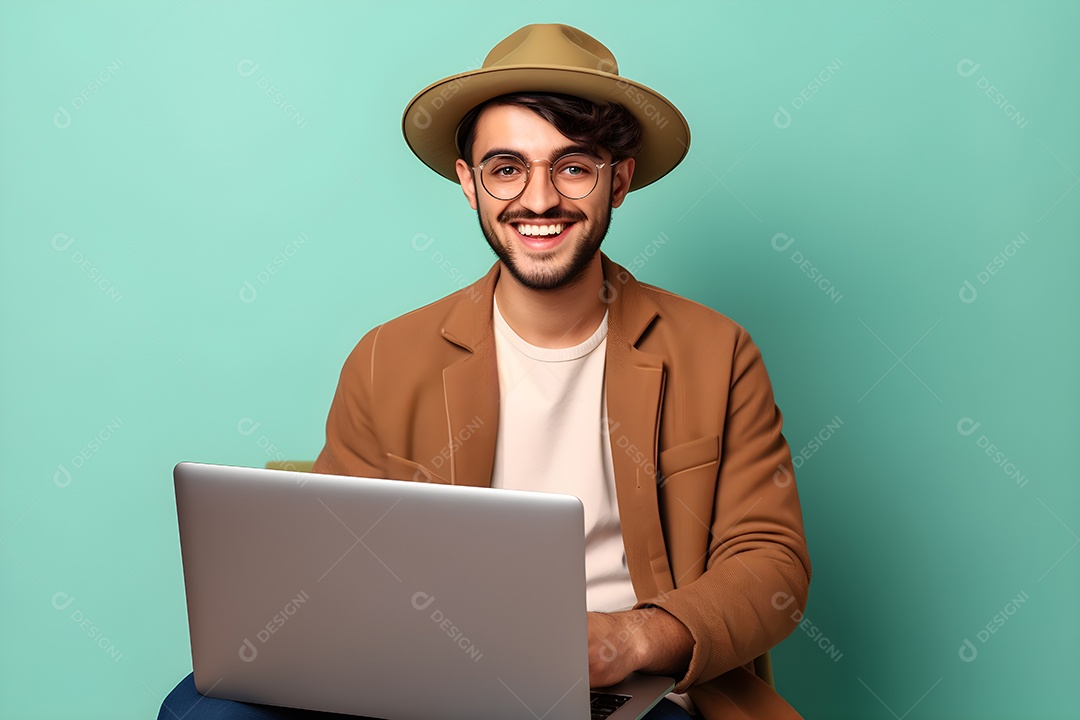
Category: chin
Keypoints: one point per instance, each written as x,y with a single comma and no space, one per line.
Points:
549,271
560,266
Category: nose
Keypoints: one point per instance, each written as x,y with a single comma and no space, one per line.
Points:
540,194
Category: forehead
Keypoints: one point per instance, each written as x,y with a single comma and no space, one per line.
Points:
516,128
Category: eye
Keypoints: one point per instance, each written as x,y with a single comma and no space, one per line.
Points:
504,169
575,168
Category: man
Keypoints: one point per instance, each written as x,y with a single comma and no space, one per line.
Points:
558,371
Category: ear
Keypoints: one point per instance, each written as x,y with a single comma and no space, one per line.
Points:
620,181
467,180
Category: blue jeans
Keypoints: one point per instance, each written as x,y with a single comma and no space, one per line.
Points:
185,702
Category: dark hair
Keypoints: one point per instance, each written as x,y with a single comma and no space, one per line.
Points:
609,125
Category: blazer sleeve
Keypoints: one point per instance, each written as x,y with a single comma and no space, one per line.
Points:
757,574
352,447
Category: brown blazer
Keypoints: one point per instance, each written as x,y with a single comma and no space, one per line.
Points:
710,515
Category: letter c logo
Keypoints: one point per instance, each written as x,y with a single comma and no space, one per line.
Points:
782,477
246,426
967,68
60,238
607,66
248,652
62,477
608,293
421,600
782,118
966,426
62,600
62,118
247,67
248,293
781,600
781,237
422,118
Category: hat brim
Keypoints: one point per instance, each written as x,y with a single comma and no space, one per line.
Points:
431,119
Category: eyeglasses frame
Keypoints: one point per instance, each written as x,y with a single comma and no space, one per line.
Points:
551,174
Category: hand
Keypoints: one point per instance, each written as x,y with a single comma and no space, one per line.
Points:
613,648
647,639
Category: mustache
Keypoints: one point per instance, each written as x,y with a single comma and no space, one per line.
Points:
552,214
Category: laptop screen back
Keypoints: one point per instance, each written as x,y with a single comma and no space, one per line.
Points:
383,598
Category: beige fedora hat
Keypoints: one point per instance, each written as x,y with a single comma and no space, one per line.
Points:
544,58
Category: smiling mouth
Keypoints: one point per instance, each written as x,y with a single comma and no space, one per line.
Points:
543,236
540,231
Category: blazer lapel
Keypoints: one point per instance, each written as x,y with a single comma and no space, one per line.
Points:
472,409
471,385
634,384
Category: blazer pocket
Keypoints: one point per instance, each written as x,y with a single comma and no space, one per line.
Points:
689,455
398,468
686,494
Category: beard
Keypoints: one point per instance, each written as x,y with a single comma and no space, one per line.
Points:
549,275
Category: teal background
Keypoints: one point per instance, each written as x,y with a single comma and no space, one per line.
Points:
136,221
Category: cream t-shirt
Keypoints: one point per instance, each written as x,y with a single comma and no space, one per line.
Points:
552,437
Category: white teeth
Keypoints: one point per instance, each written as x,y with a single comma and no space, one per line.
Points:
540,229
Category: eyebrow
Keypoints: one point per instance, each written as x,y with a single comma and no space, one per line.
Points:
555,154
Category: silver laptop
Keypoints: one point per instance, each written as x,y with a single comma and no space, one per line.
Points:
387,599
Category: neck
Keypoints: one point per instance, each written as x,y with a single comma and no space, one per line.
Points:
558,318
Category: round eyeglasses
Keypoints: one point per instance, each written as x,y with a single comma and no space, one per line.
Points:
574,176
